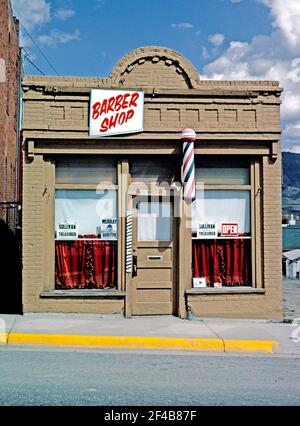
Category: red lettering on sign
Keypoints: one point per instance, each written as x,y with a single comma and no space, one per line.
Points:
122,118
104,125
134,98
119,118
103,107
111,104
229,229
113,121
95,109
125,103
129,114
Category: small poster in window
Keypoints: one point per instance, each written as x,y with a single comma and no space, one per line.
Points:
207,230
109,229
229,230
67,231
199,282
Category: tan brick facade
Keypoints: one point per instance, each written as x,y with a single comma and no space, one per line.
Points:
231,118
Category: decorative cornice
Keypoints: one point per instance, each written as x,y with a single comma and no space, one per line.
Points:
155,54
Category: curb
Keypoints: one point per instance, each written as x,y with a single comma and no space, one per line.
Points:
144,342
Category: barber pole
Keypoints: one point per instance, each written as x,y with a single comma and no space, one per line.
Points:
188,137
129,242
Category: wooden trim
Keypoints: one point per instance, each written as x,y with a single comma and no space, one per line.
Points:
120,239
154,284
83,293
211,146
152,243
154,192
150,151
49,225
185,257
122,199
258,222
152,265
217,187
252,224
175,259
227,290
85,186
127,278
134,252
224,238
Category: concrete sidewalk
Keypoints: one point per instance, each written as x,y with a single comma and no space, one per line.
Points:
155,332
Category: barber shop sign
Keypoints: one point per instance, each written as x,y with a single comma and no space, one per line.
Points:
114,112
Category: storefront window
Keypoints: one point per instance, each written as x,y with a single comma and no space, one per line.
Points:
221,227
86,239
223,207
86,225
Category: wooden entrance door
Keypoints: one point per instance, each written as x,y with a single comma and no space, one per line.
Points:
153,258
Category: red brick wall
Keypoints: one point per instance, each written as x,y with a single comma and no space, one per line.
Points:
9,81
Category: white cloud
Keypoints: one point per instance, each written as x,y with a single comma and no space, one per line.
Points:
205,53
293,130
273,57
295,149
286,15
32,13
291,135
235,1
64,13
183,26
57,36
216,39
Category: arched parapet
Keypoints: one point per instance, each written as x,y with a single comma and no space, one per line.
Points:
156,67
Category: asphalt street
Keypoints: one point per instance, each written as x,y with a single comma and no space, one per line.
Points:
39,376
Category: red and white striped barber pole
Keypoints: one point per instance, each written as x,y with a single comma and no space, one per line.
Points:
188,137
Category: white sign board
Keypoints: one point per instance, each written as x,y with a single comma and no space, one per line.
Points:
199,282
207,230
114,112
67,231
109,229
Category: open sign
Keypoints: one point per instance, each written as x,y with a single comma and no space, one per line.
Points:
229,230
114,112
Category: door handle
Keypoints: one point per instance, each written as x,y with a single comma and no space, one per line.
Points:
134,265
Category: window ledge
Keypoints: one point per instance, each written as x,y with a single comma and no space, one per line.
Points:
82,293
226,290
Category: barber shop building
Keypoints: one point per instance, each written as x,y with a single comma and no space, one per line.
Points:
152,192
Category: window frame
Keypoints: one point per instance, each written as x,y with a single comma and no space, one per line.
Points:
255,189
101,186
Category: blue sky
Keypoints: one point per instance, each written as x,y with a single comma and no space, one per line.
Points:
224,39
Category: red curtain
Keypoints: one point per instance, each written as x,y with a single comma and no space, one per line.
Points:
85,264
224,261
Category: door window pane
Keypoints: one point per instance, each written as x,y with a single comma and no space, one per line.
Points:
153,170
154,221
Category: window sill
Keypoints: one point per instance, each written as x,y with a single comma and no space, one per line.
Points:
82,293
227,290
